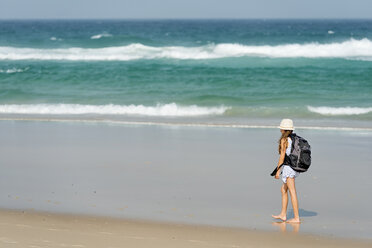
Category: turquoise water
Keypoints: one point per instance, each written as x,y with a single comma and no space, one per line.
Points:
236,71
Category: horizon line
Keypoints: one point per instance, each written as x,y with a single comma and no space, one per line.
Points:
185,18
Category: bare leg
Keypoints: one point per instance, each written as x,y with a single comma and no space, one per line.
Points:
283,213
292,191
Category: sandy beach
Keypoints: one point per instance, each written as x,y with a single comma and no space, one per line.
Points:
84,185
36,230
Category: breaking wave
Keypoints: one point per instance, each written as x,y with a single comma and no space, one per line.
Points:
339,111
359,49
99,36
164,110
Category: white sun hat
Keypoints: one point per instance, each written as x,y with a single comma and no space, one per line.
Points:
286,124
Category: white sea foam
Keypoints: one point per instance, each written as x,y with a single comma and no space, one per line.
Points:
13,70
55,38
360,49
99,36
164,110
361,58
339,111
330,32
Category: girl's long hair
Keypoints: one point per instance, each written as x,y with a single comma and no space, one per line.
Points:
285,137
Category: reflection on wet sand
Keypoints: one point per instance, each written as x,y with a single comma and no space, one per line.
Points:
283,226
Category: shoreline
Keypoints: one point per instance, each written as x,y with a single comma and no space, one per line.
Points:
43,229
182,124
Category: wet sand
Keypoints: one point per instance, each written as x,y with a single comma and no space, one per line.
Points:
191,175
44,230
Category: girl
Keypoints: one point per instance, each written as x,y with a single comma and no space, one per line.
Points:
288,175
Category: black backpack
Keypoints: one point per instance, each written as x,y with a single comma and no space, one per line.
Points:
300,157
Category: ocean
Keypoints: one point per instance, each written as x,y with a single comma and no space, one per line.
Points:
196,72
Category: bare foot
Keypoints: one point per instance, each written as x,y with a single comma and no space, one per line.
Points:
280,217
294,220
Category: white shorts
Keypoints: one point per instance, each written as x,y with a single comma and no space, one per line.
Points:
287,171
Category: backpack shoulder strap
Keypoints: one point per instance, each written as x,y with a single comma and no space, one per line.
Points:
293,137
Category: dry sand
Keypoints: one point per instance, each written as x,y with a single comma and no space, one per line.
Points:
36,229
